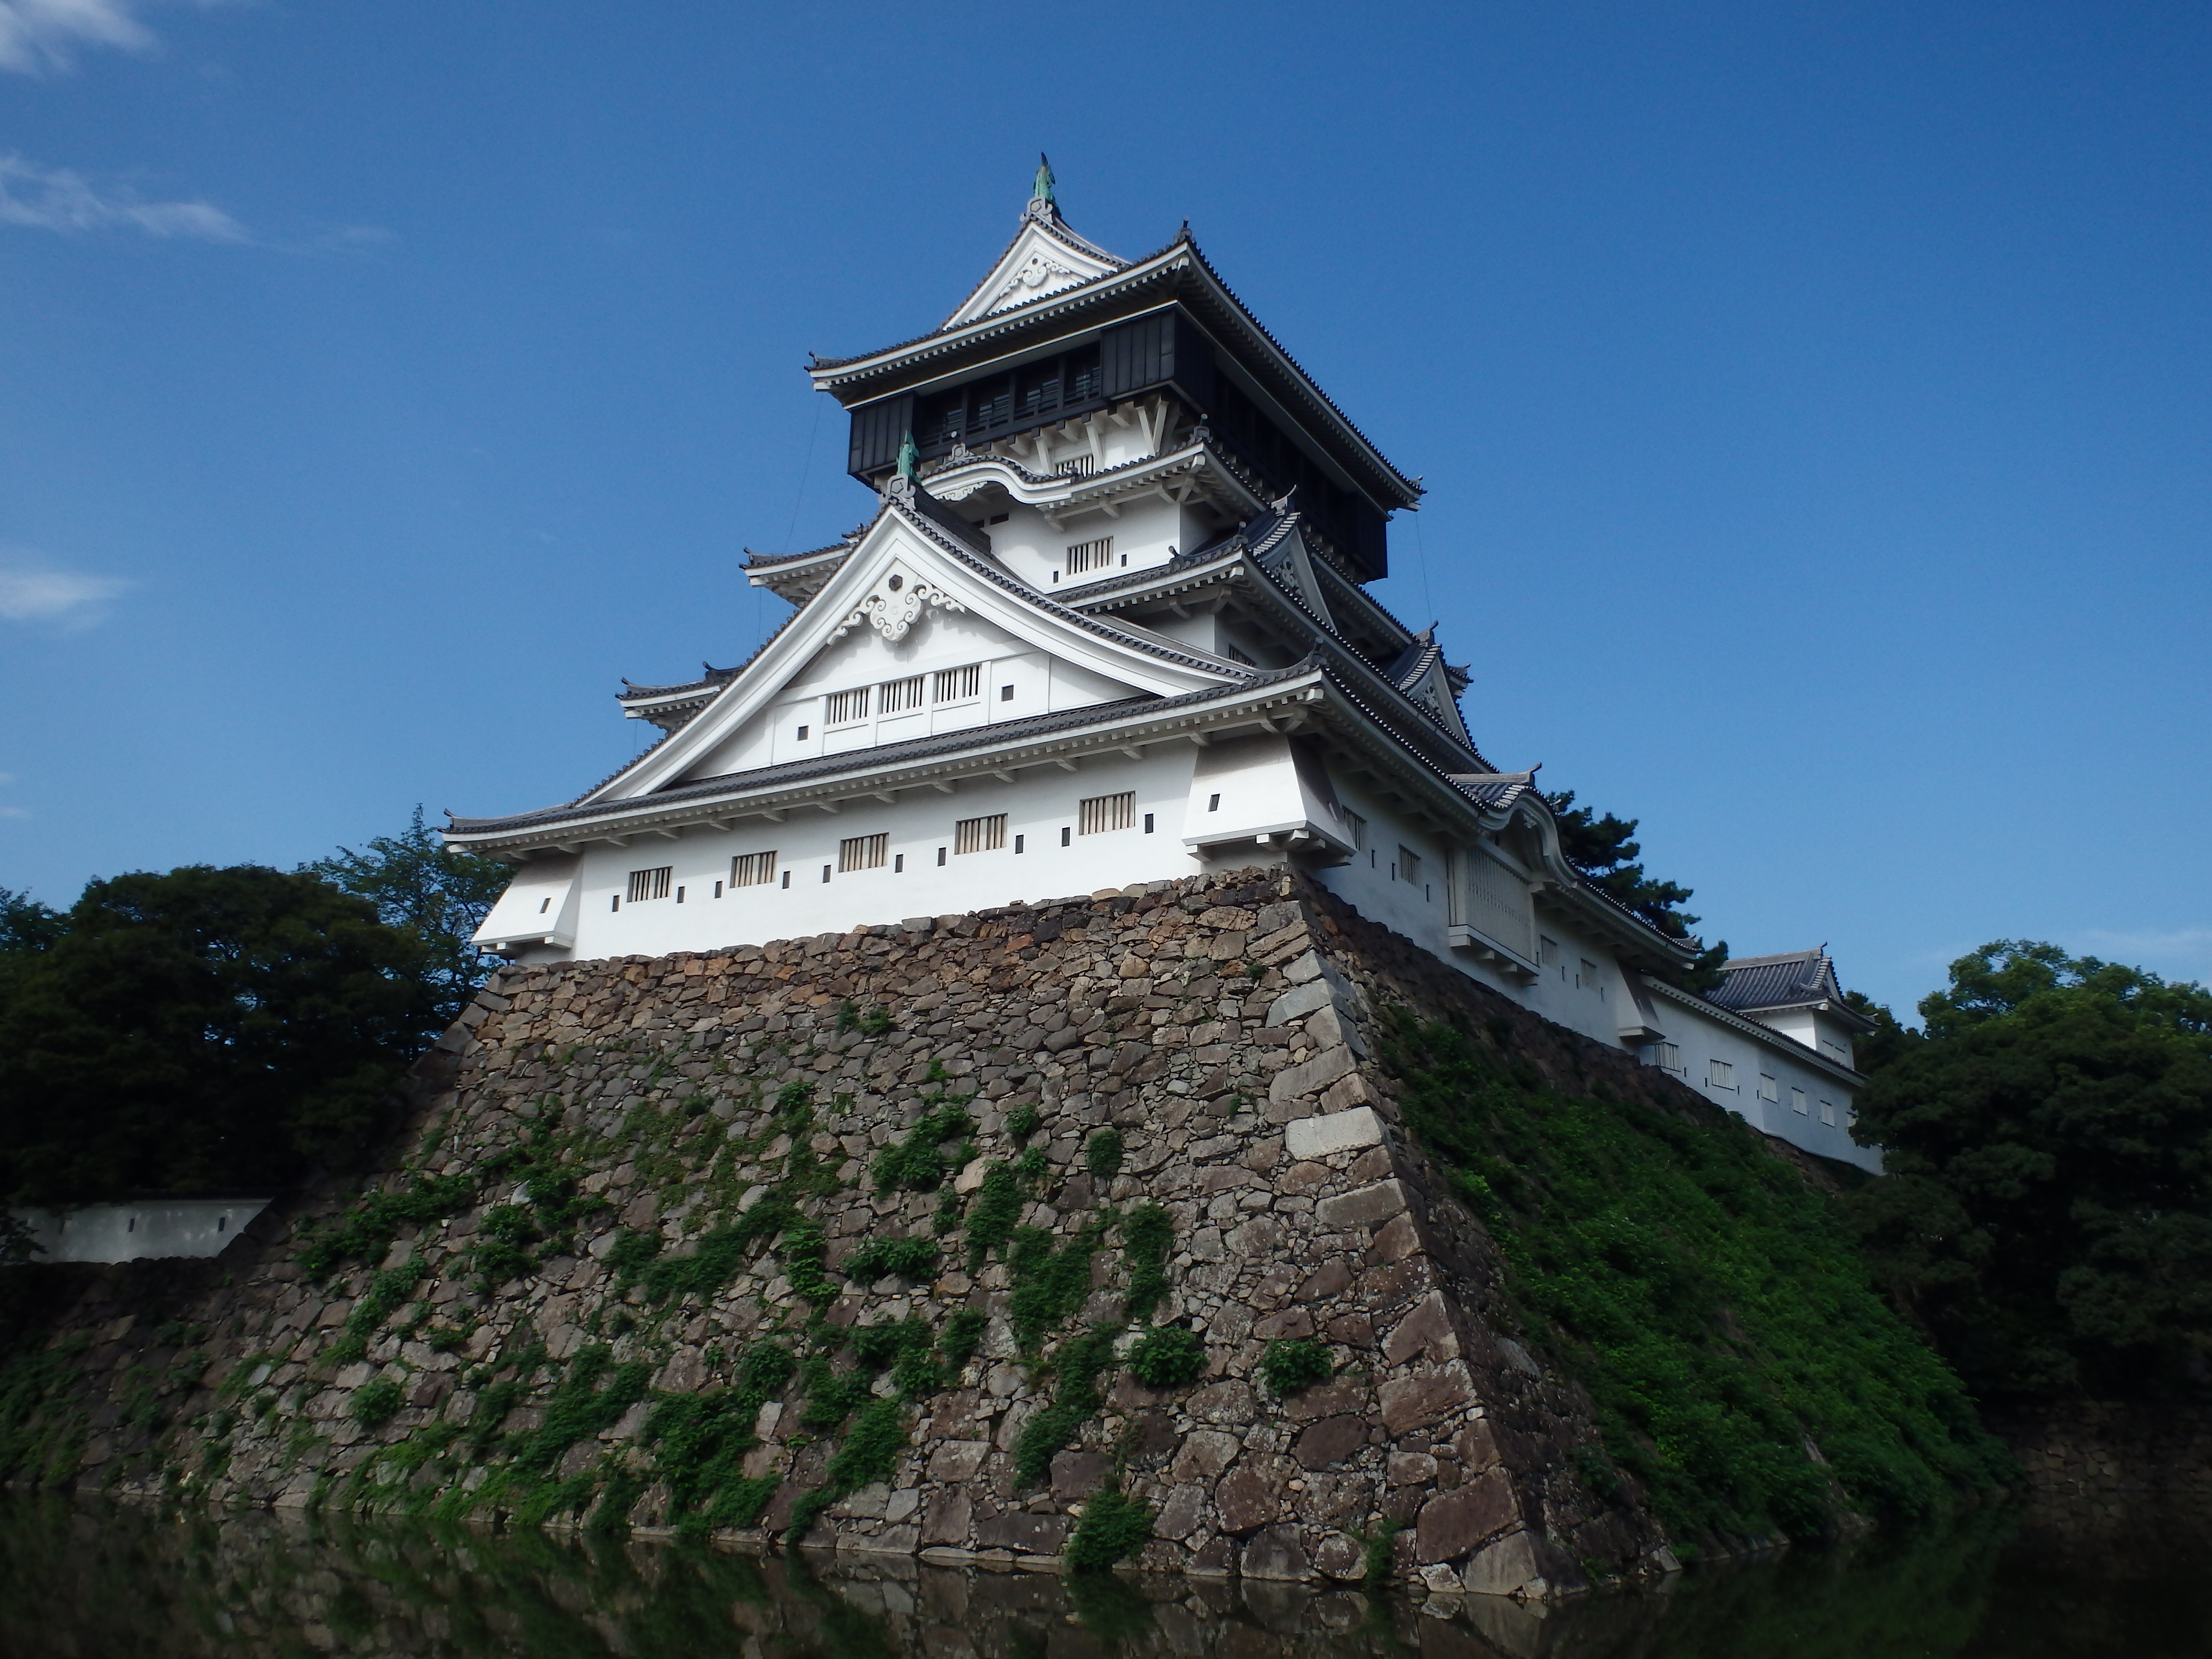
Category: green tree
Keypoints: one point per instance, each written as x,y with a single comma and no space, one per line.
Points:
437,897
26,924
2046,1208
1604,850
1888,1039
207,1028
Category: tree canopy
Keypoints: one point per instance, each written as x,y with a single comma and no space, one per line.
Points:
2046,1207
1603,850
208,1028
437,897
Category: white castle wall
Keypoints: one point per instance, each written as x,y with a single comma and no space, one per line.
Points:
140,1230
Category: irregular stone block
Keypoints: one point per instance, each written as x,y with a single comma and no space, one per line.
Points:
1414,1402
1332,1440
1023,1533
1223,1402
1424,1333
1204,1453
1179,1516
945,1516
1075,1474
1244,1502
956,1461
1299,1002
1339,1132
1295,1082
1453,1522
1364,1207
1341,1558
1507,1567
1276,1553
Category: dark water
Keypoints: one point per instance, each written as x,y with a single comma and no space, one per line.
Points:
96,1581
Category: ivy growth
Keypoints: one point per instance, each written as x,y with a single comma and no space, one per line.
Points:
1702,1291
1293,1363
1168,1357
1101,1154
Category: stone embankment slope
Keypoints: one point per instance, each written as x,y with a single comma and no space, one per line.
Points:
960,1238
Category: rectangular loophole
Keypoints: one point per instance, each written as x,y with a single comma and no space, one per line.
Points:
1101,813
985,835
958,684
1090,555
863,853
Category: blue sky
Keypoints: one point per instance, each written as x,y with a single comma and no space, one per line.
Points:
1813,400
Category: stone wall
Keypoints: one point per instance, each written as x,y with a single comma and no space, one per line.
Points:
2096,1467
595,1147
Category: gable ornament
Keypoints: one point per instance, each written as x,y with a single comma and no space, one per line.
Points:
895,605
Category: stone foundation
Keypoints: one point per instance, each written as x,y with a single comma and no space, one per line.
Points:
1223,1026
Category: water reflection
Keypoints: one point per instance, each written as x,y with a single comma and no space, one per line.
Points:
94,1580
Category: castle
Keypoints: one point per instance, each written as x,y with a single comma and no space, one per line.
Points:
1108,626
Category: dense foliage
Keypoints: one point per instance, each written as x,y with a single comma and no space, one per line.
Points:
1744,1367
2046,1208
437,898
202,1029
1600,848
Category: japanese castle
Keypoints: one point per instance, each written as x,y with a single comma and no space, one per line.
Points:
1109,624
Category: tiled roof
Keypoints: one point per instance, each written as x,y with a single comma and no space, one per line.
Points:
1494,791
1788,981
1409,490
757,561
714,677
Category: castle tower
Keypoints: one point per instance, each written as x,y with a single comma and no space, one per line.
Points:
1108,625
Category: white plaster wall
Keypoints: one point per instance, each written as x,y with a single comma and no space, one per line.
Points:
1039,684
134,1232
1816,1031
1700,1041
1033,548
1038,805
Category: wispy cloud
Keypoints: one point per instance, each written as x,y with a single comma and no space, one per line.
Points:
35,590
59,199
38,37
15,811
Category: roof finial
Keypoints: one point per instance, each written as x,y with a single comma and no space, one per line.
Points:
1041,190
909,458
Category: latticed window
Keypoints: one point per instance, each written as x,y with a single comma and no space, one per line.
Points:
1666,1057
650,884
1720,1074
1769,1089
847,707
986,835
753,869
1090,555
1409,866
899,696
863,853
1102,812
958,684
1356,827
